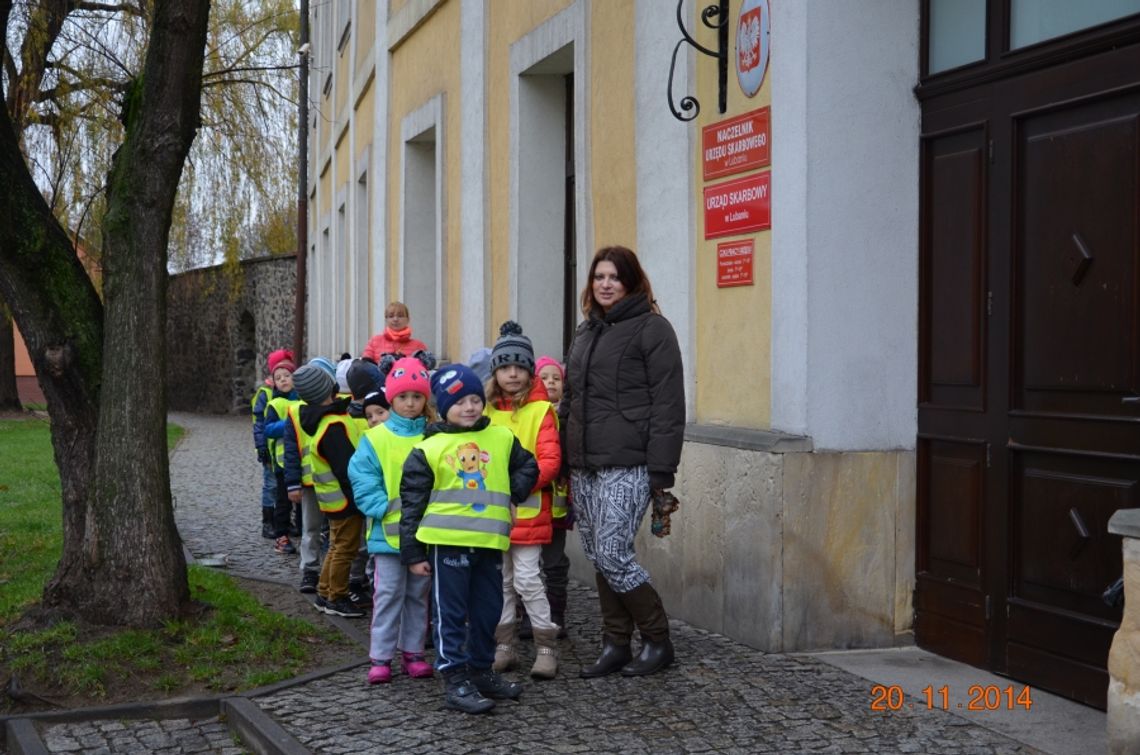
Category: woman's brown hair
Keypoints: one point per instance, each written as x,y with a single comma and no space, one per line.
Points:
629,272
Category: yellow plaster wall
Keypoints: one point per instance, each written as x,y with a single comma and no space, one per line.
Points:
733,325
506,23
613,168
364,29
424,65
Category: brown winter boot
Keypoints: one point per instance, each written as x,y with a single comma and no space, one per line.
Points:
505,658
656,653
546,657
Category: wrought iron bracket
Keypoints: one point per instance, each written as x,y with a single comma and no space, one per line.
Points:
713,16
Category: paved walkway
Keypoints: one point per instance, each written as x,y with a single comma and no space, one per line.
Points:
721,696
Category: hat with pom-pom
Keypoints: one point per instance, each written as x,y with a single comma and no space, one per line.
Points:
313,384
549,362
512,348
281,358
453,382
407,374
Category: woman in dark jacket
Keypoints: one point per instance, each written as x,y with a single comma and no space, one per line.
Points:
623,414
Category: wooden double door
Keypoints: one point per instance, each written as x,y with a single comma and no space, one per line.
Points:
1029,422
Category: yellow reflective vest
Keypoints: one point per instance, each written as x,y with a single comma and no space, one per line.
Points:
391,451
524,423
303,442
276,446
330,497
263,388
470,504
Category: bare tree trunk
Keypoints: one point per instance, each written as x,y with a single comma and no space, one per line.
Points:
9,391
131,538
122,561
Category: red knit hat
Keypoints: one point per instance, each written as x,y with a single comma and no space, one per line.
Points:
281,358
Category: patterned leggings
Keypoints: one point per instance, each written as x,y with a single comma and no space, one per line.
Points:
609,504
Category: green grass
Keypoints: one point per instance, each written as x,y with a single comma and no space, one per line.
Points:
235,644
238,644
31,521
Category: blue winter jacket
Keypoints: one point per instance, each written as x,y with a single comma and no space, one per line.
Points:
368,479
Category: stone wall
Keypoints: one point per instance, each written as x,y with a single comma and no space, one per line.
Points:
219,328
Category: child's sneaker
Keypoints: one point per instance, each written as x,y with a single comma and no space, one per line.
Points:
493,685
283,547
461,694
309,581
321,604
380,673
343,607
416,667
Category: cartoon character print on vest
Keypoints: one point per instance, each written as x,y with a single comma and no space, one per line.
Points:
469,464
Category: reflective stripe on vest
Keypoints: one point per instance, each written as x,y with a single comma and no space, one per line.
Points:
276,446
525,424
291,407
560,494
391,451
303,441
470,503
330,497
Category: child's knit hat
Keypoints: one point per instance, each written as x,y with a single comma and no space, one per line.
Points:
281,358
363,378
342,375
451,383
545,361
313,384
512,348
407,374
325,365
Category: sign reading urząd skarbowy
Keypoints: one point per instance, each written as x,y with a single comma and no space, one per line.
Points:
739,206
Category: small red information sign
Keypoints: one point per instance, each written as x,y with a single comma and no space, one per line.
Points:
737,144
734,263
738,206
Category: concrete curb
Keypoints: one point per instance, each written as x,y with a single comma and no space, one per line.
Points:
23,739
257,729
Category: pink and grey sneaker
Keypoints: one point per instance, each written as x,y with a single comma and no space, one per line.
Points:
380,672
416,666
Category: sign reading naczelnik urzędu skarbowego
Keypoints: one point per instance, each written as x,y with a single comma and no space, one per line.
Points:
736,145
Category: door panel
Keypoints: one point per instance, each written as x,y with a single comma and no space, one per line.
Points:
1029,322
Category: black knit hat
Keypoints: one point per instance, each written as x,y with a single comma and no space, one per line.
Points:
363,378
512,348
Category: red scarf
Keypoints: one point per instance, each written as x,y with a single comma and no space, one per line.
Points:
398,336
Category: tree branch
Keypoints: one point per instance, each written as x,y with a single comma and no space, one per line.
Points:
109,8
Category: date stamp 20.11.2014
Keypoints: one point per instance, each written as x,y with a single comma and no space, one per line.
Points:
886,698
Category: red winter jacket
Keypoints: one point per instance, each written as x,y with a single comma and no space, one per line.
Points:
382,343
548,452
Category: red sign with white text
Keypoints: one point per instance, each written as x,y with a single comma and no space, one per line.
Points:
736,145
738,206
734,263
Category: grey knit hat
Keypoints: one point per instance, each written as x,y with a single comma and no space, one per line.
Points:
313,384
511,348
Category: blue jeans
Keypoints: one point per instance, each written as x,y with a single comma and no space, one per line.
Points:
467,585
268,486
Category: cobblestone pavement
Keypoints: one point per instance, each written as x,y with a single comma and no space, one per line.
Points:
174,736
720,696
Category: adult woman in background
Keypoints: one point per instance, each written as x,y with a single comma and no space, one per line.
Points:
623,414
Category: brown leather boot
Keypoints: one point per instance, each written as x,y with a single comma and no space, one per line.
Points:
644,604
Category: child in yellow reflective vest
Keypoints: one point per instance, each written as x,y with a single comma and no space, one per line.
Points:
518,402
458,492
400,598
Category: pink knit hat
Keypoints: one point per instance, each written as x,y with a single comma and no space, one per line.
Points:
546,362
407,374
